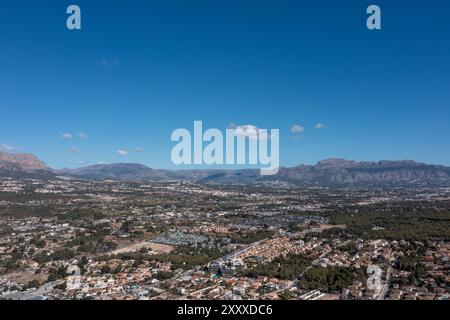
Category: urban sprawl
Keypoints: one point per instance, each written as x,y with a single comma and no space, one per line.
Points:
75,239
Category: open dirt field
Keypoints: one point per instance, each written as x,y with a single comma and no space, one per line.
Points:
162,248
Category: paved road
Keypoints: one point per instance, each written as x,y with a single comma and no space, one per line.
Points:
385,288
30,294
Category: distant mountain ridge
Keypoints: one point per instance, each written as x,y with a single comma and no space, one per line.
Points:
23,165
24,160
344,172
328,172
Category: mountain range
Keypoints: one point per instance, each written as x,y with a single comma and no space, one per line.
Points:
23,165
329,172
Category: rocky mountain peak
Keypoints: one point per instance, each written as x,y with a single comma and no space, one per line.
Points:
336,163
24,160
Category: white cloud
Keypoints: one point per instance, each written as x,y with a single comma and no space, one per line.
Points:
9,148
83,135
108,64
250,131
319,125
66,136
139,149
74,150
121,152
296,128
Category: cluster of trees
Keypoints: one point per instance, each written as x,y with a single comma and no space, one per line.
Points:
330,279
411,223
410,263
56,274
107,268
78,214
289,267
26,210
129,228
351,248
42,257
183,257
186,257
39,243
10,264
249,237
82,264
62,254
94,242
164,275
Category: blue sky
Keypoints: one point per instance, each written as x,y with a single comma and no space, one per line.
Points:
140,69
